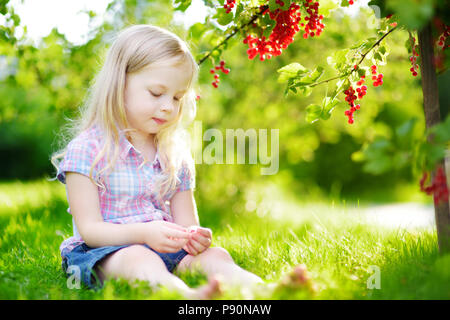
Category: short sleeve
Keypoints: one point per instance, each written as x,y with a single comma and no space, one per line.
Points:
79,157
186,179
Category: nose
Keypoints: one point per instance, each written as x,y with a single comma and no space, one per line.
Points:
167,107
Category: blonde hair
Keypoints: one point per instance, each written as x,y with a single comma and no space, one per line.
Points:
135,48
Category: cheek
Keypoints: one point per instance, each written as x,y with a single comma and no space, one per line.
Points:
139,107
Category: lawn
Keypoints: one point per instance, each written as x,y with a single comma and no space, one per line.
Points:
340,251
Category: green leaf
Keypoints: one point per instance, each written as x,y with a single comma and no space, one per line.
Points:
441,131
344,3
313,112
362,71
433,153
273,5
339,59
401,160
378,165
305,91
197,30
328,105
378,156
182,5
311,77
404,133
239,9
377,56
290,71
223,18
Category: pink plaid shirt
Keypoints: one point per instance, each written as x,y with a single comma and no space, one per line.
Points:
129,195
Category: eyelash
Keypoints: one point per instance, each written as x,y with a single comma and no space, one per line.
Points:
155,95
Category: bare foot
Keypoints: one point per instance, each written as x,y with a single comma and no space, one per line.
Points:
298,278
210,290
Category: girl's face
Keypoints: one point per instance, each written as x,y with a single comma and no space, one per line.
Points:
152,96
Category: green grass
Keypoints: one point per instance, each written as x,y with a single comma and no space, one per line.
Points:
337,248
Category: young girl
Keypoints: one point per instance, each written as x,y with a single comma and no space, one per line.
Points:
129,173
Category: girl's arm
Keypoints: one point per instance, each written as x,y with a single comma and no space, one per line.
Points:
184,209
184,213
84,205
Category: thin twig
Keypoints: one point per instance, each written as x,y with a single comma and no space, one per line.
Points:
375,44
360,61
236,30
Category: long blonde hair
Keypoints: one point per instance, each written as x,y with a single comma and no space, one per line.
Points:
136,47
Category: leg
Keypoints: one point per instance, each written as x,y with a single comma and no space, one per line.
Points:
217,260
138,262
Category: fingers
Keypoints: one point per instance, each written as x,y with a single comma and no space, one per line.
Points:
204,241
198,246
185,248
175,226
176,234
174,244
205,232
191,250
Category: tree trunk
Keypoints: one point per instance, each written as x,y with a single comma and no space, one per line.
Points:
432,117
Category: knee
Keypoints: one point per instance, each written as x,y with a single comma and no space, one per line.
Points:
134,252
218,253
133,257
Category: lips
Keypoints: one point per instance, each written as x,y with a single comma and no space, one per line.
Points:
159,121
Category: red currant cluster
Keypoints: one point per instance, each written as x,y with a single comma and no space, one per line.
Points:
377,79
350,2
221,67
362,90
286,27
229,5
314,20
282,35
413,58
350,98
441,40
438,186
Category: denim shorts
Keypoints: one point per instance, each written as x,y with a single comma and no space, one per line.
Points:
85,258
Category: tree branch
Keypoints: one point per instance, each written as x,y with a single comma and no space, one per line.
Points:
360,61
236,30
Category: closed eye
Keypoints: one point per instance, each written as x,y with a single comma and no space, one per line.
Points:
154,94
159,95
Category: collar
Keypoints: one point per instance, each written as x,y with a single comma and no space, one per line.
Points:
125,146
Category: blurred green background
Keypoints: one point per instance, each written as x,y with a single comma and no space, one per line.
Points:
308,212
43,85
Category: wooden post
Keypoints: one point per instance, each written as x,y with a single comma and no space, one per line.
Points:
432,117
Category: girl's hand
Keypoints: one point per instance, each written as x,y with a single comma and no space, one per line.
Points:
164,236
200,240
